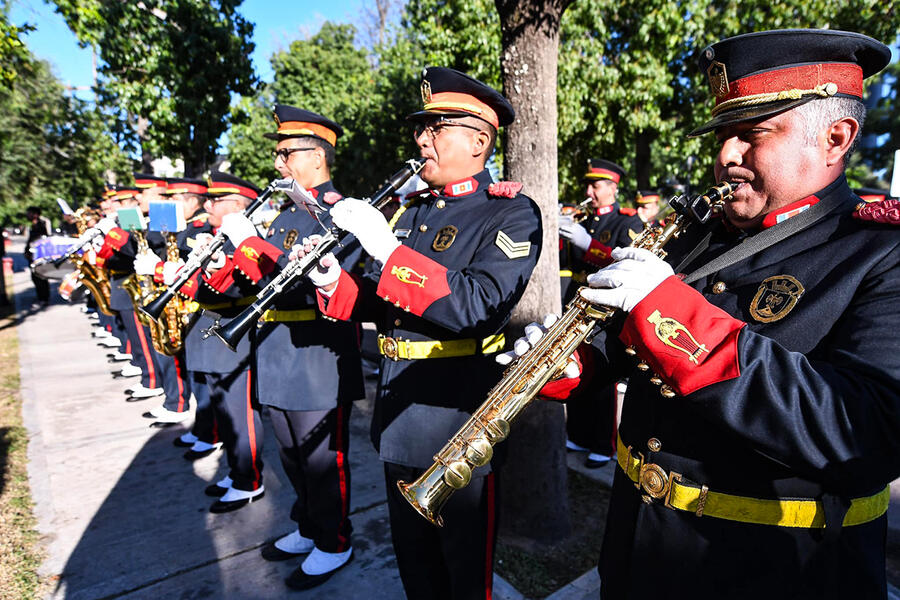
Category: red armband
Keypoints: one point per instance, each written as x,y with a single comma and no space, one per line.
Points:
412,281
598,254
256,258
340,304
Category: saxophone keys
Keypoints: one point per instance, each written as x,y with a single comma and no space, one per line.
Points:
497,430
642,366
458,474
667,392
479,451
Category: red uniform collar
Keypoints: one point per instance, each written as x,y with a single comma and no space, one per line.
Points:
786,212
605,210
467,185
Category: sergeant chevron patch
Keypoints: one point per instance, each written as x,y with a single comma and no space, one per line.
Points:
510,248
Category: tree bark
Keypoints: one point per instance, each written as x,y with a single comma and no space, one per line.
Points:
535,501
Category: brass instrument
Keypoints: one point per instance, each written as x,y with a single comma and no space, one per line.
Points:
472,446
578,212
140,287
168,332
90,275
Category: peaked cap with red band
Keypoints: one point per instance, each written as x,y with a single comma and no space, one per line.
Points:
124,193
184,185
145,181
450,93
222,184
598,168
296,122
761,74
646,196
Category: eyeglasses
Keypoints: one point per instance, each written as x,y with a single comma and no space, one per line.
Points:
435,129
285,153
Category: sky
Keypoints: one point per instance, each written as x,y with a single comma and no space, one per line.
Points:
278,22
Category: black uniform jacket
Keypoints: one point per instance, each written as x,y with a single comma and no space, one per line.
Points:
468,251
310,364
117,255
218,302
786,367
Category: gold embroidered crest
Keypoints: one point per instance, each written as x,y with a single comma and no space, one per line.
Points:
408,275
290,239
675,335
444,238
775,298
604,236
718,79
426,91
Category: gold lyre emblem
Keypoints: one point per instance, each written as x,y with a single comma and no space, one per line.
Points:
250,253
675,335
115,235
718,79
775,298
426,91
444,238
408,275
289,239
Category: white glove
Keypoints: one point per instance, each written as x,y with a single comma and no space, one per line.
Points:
106,224
533,333
237,228
145,264
327,271
170,271
368,225
575,233
627,281
97,243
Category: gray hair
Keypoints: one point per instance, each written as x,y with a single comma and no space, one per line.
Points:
822,112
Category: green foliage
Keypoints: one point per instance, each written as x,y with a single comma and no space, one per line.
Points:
169,68
13,54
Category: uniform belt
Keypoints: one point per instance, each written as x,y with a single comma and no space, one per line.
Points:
677,494
223,305
565,273
397,348
303,314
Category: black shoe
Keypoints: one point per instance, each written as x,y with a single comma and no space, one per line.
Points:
179,443
298,580
133,399
219,506
193,455
216,491
273,553
161,424
593,463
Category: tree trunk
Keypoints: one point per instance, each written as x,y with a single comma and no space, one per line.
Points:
535,501
643,141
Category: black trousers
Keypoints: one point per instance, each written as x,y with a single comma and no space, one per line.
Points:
175,381
313,446
204,416
455,561
142,353
239,425
591,418
41,287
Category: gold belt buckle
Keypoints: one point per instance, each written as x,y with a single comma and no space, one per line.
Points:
389,347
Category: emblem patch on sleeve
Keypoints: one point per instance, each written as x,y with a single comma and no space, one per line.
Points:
775,298
675,335
409,276
510,248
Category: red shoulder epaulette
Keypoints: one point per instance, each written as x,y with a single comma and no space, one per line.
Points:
882,211
200,221
504,189
628,211
331,198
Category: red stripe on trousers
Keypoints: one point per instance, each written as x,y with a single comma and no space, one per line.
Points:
251,432
342,475
489,550
148,360
180,385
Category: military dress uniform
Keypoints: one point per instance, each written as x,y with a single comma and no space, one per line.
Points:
440,304
591,417
227,376
310,372
765,471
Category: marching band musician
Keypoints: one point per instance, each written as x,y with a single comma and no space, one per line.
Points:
226,377
763,466
450,266
647,202
591,424
310,369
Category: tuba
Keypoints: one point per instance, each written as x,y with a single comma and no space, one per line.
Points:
473,445
90,275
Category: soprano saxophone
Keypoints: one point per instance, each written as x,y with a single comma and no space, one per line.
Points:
473,445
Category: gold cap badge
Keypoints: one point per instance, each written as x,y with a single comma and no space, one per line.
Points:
718,79
426,91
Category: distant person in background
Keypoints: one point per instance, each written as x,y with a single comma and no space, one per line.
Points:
40,227
4,300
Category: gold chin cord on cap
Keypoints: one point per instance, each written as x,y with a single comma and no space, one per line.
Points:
825,90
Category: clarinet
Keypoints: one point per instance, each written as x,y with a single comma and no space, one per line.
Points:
196,260
231,334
